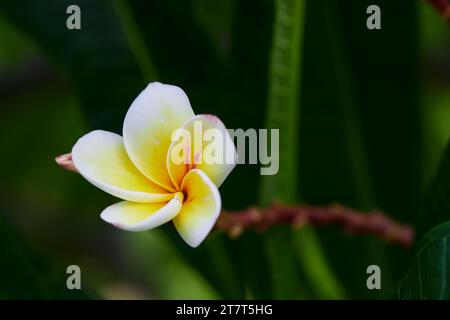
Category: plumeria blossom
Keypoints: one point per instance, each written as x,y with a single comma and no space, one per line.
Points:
138,167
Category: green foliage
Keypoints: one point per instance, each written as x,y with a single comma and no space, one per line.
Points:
282,112
346,100
429,274
283,107
24,276
436,206
96,58
359,127
17,269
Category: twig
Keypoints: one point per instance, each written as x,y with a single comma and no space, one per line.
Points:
352,221
236,222
443,7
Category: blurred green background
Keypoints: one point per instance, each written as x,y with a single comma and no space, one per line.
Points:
364,119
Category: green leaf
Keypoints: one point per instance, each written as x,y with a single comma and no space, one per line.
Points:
283,114
429,274
283,110
135,40
436,206
316,266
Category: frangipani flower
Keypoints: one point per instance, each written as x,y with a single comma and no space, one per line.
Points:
138,168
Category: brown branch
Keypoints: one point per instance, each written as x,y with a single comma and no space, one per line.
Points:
352,221
442,6
236,222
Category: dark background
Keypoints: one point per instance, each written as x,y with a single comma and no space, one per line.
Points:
373,120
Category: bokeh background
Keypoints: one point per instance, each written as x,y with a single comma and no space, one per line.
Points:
371,122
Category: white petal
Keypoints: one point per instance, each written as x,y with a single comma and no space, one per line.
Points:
209,148
152,118
134,216
200,210
100,157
